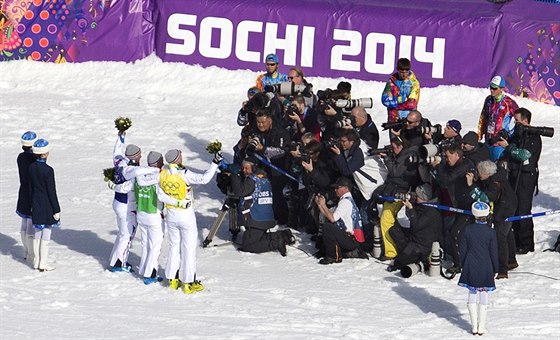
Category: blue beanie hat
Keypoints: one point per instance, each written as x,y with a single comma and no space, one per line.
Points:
41,146
28,138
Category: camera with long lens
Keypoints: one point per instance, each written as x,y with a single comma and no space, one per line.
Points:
415,159
350,120
252,145
352,103
537,130
403,196
502,134
435,130
386,150
398,125
290,89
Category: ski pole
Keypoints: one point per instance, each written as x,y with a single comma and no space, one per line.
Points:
266,162
543,213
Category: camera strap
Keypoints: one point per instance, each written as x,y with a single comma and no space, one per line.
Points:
369,178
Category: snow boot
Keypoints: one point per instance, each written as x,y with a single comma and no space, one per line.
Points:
174,284
29,247
473,313
44,257
23,235
36,244
482,319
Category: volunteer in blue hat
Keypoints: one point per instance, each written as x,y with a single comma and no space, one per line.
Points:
272,75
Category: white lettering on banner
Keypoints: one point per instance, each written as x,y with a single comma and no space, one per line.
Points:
174,30
348,43
242,40
289,43
389,50
354,49
207,27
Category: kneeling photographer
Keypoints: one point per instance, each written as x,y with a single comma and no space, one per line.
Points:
255,193
414,244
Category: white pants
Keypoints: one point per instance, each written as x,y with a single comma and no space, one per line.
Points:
126,227
182,235
151,230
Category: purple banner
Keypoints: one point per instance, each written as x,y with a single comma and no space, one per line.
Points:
60,31
447,42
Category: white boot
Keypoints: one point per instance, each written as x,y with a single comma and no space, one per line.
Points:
44,257
482,319
36,243
23,235
29,246
473,313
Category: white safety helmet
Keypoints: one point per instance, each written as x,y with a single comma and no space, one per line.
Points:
480,209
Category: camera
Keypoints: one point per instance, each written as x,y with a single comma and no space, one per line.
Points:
436,129
414,159
502,134
352,103
350,120
537,130
252,145
473,171
398,125
325,94
290,89
333,142
403,196
386,150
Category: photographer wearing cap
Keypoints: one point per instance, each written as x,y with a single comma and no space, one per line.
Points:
522,153
473,149
414,244
343,231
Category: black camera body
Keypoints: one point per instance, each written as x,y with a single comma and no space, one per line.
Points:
502,134
403,196
251,147
397,126
332,142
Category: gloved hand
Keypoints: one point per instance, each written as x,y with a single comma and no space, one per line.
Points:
111,185
56,216
218,157
184,203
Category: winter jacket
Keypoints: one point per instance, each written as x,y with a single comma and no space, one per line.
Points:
497,114
369,133
24,160
349,161
43,194
275,142
425,227
400,96
497,189
402,175
255,192
479,256
478,154
449,177
523,151
270,79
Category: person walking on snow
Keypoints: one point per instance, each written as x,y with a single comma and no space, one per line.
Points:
23,208
45,210
479,263
182,231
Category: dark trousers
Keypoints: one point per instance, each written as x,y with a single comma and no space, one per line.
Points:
279,204
506,245
337,241
259,241
523,230
407,251
456,235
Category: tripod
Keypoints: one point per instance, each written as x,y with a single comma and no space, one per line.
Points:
230,205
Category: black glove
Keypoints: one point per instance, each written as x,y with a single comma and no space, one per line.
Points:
218,157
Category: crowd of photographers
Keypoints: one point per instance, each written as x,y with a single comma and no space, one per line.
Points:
303,146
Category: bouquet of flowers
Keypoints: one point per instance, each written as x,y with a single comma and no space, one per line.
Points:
109,174
123,123
214,147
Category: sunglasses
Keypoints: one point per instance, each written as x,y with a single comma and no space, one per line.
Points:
271,64
493,88
293,77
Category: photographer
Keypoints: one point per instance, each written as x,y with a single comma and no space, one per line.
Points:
246,115
414,244
301,117
449,136
522,153
402,177
256,200
271,142
473,149
413,129
328,114
493,186
451,186
365,126
342,232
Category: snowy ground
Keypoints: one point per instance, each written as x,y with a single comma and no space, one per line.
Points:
247,296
